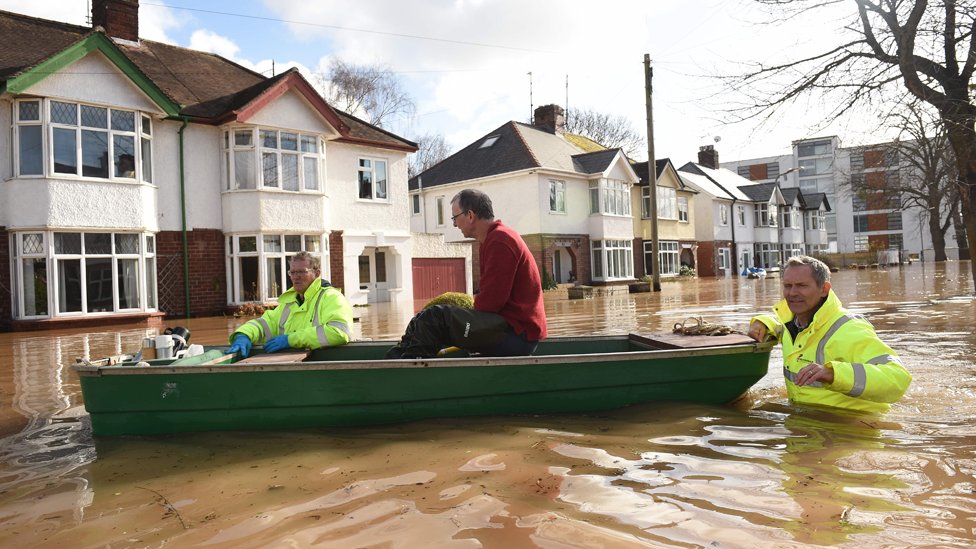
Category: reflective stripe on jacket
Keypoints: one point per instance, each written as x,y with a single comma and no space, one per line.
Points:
324,319
868,375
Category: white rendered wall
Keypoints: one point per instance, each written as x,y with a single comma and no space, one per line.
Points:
291,111
94,79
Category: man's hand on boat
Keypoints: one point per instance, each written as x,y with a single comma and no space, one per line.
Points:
757,331
277,343
242,345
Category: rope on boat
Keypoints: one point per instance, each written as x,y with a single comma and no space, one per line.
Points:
702,327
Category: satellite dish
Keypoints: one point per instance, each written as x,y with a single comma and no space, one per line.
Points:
717,138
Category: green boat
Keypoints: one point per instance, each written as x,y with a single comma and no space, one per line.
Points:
354,385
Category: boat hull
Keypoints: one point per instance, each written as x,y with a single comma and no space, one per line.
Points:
353,385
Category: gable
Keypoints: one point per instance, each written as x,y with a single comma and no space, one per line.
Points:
94,79
292,111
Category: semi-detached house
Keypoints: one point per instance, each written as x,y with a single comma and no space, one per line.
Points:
139,178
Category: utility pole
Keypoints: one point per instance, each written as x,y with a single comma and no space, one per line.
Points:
652,172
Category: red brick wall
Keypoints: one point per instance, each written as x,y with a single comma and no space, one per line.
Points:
208,278
6,286
336,264
707,259
119,18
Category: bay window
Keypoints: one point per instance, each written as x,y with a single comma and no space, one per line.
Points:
667,257
667,207
72,273
257,264
765,215
264,158
610,197
612,259
85,141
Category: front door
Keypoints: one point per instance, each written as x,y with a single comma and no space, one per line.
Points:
372,275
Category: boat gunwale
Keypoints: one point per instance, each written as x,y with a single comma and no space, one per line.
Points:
90,370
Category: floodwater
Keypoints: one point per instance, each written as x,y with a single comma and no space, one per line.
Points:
757,473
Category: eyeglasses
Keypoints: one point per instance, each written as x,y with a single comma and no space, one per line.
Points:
302,272
454,217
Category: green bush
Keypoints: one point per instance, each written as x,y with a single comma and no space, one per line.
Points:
686,271
548,283
458,299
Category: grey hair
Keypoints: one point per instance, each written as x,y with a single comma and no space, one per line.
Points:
821,272
473,200
314,260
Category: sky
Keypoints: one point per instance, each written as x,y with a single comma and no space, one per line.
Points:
466,63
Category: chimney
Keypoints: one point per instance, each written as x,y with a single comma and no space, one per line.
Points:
119,18
708,156
550,118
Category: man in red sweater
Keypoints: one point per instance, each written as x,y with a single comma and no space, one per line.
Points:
508,318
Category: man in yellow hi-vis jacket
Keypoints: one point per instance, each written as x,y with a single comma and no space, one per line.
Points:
831,357
311,314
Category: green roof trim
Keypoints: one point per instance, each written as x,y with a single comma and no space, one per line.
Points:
93,42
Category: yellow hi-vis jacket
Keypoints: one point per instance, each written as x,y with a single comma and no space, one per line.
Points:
324,319
868,375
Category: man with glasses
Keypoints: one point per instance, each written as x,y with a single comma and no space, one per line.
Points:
310,315
508,318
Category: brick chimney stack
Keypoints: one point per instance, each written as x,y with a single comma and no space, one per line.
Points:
708,156
550,118
119,18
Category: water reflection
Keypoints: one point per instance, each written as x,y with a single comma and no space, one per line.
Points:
756,473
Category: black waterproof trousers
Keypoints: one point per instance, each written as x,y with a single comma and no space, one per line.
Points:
443,326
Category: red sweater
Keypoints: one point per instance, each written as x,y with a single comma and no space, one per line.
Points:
510,282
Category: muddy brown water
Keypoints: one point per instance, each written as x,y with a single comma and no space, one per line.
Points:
756,473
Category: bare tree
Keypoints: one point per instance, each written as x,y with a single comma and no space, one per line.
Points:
608,130
372,92
432,148
925,178
893,47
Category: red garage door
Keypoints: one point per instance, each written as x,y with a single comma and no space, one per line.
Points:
432,277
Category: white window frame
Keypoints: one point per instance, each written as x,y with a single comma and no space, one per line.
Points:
667,203
723,215
724,258
667,257
440,213
766,255
249,144
612,259
269,248
140,136
416,204
369,164
610,197
683,209
765,215
741,215
817,220
557,196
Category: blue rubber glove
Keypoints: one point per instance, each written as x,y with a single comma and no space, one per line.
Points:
277,343
241,344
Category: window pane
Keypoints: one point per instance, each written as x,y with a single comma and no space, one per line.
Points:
272,243
289,172
150,244
151,282
293,243
94,153
35,287
67,243
128,275
311,173
269,139
380,267
247,244
65,151
249,279
94,117
146,125
69,285
147,160
29,110
309,144
244,170
270,163
32,243
31,159
364,269
98,243
124,121
312,243
289,141
365,184
123,151
273,271
243,138
64,113
126,243
381,180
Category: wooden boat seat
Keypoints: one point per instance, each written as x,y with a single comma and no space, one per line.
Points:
668,340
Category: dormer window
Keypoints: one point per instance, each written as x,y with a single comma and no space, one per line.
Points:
489,141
